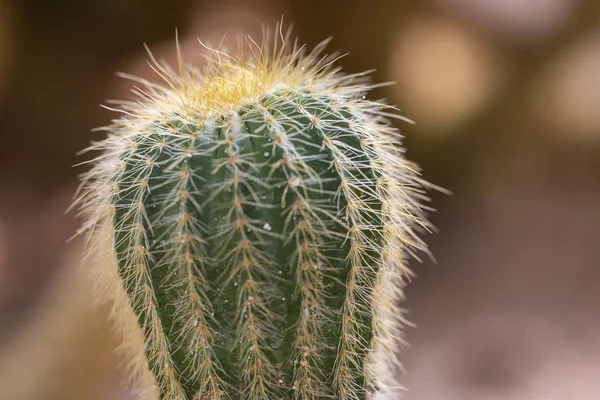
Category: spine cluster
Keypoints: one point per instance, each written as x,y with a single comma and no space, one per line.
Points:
255,245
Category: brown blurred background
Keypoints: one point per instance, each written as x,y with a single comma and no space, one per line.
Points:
506,95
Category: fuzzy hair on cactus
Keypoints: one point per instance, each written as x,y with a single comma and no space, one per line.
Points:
251,223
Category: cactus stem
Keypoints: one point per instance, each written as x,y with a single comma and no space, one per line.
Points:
254,224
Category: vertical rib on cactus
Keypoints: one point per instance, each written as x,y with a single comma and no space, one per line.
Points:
255,222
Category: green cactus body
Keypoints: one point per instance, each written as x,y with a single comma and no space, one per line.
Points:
256,219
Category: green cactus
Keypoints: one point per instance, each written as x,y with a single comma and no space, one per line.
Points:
253,224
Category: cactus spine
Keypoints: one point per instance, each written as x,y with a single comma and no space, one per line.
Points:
254,223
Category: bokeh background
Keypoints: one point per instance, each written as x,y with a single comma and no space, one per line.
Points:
506,95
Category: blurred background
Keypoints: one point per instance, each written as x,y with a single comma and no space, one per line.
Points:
506,95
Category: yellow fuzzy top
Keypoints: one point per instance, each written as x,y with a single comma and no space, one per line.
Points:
228,81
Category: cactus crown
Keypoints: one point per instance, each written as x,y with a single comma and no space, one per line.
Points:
252,224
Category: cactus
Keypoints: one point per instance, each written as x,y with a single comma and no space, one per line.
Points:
254,222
